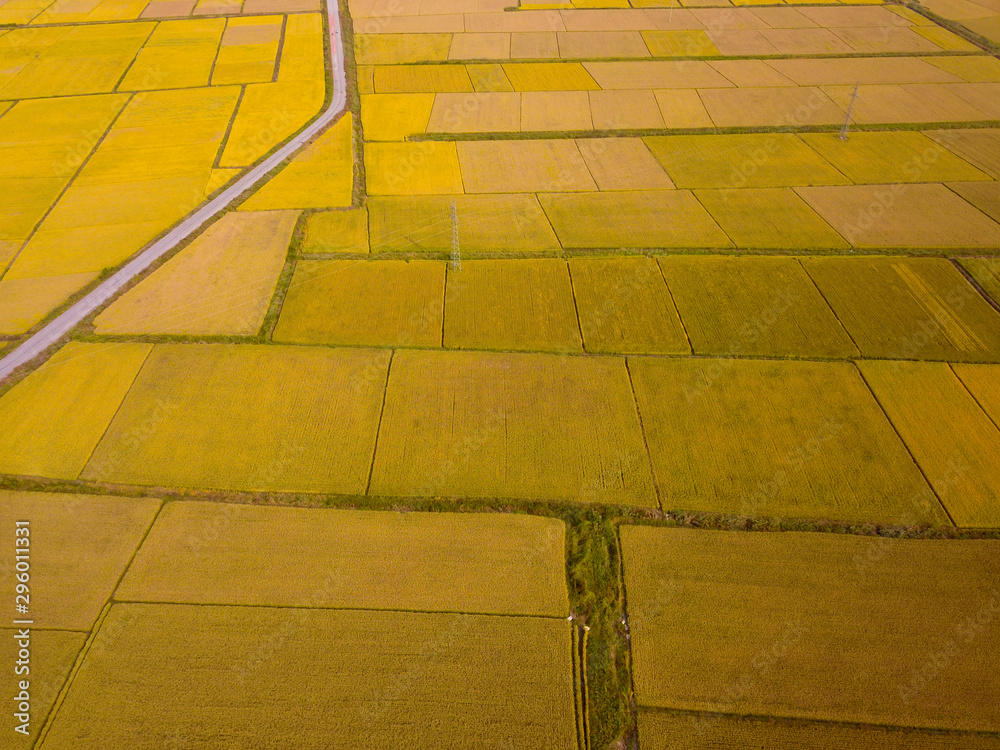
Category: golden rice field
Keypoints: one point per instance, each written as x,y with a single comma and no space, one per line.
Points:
247,418
519,426
752,624
84,543
320,679
384,303
53,652
221,283
949,434
773,439
53,420
492,563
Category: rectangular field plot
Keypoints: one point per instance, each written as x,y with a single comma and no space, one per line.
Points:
219,284
51,421
320,680
980,147
532,426
337,232
908,308
247,418
523,166
625,308
904,216
738,161
668,730
424,168
80,546
754,305
364,303
511,304
248,50
773,439
486,563
749,624
769,218
508,223
949,435
640,219
891,157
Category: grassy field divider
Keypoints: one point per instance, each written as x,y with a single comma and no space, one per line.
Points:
596,605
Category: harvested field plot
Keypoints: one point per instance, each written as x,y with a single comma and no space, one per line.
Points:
321,176
555,111
532,426
84,544
891,157
248,418
902,216
986,272
624,307
511,304
387,677
983,195
51,421
641,219
654,74
906,103
337,232
661,730
623,164
220,284
523,166
364,303
776,610
615,110
774,439
772,218
412,168
756,305
52,656
485,563
947,432
494,112
738,161
510,223
782,106
908,308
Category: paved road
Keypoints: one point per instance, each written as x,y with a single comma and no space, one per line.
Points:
59,327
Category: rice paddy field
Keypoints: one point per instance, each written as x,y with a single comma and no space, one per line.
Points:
605,374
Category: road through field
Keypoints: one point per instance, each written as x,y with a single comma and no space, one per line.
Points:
65,322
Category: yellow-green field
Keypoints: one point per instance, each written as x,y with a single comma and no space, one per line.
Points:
474,563
320,679
753,306
913,308
522,426
949,434
811,625
773,439
518,304
248,418
364,303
